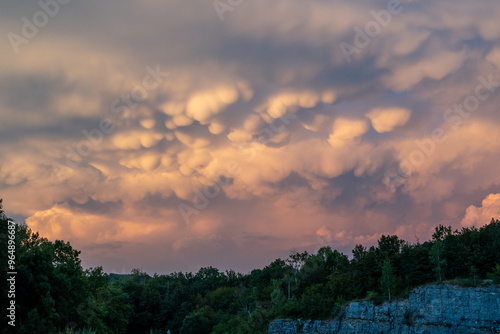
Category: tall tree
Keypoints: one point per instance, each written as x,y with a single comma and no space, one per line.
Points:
388,279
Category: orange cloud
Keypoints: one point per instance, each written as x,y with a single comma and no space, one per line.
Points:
385,120
478,216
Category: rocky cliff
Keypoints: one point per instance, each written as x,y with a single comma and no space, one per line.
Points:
433,309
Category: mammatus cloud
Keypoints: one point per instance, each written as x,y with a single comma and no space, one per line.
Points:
385,120
435,67
163,138
346,132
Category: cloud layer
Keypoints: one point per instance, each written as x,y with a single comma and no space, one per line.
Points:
157,136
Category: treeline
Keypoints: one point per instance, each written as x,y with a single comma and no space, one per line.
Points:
54,294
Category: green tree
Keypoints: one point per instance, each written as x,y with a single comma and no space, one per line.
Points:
107,308
50,281
437,258
229,324
388,279
278,298
364,272
297,260
316,302
416,269
437,252
473,276
223,299
390,245
198,322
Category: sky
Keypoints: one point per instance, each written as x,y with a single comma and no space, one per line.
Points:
174,135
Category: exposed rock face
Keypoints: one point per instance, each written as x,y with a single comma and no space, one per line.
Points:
434,309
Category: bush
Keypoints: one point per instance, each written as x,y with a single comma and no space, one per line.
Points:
375,297
495,275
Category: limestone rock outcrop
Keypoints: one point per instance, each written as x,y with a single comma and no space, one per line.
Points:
432,309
